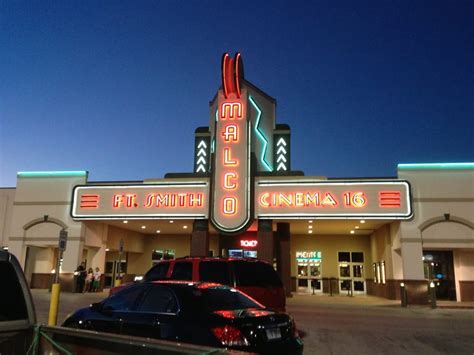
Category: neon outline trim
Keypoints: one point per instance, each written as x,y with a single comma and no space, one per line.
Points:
236,72
78,173
224,84
260,135
427,166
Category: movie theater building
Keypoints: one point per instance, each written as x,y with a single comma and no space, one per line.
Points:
242,199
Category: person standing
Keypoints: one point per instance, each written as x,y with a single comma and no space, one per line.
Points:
89,280
81,276
96,283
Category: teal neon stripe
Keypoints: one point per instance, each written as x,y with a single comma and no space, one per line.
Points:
260,135
434,166
52,173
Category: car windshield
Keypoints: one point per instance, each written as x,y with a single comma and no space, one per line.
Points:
215,298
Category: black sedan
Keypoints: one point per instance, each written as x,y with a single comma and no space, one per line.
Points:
198,313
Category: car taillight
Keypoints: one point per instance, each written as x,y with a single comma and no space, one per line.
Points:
230,336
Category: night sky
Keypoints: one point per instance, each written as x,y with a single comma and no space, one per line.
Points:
117,88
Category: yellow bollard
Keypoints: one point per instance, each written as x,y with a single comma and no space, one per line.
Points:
117,282
54,305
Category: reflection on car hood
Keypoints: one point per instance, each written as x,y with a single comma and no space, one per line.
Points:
244,313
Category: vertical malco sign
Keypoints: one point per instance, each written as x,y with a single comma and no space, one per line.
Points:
231,177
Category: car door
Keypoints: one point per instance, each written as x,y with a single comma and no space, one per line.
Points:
108,315
154,316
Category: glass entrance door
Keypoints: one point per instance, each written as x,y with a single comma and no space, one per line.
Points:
309,276
351,273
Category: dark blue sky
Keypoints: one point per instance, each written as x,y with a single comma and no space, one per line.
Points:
117,88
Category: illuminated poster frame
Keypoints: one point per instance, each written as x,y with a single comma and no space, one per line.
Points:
336,205
184,200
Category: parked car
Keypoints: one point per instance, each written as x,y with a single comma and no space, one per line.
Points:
20,334
193,312
256,278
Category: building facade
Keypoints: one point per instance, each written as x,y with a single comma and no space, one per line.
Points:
349,236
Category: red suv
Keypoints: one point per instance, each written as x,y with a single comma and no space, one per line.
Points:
256,278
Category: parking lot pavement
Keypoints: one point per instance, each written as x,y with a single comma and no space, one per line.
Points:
68,303
346,325
372,325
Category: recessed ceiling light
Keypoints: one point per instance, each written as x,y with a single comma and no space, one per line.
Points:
143,227
310,231
310,221
171,221
310,227
356,227
125,222
107,249
352,232
362,221
185,227
158,231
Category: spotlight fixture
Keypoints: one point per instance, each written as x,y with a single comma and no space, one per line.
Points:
171,221
125,222
362,221
356,227
107,249
310,227
310,221
310,231
143,227
158,231
352,232
185,227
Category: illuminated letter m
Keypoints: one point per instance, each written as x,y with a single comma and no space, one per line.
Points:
231,110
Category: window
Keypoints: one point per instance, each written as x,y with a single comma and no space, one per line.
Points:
159,299
182,271
344,256
214,271
158,272
123,300
357,257
256,274
13,306
219,298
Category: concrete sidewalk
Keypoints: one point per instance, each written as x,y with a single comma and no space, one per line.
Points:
363,300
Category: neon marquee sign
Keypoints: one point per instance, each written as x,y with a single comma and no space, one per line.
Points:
230,211
306,198
145,201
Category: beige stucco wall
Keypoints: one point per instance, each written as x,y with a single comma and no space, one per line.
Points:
381,248
35,198
330,245
443,201
7,197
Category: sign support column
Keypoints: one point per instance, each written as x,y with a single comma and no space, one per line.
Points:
265,248
283,255
200,238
